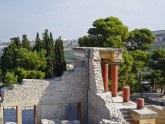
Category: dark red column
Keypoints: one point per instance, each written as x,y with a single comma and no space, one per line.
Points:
104,66
140,103
126,94
79,111
114,79
34,114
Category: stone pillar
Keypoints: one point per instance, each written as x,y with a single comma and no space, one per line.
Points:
35,114
140,103
104,66
1,115
19,114
114,79
126,94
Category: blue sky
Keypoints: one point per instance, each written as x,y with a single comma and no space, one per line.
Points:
72,18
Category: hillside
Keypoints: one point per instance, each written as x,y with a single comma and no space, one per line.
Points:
160,39
69,44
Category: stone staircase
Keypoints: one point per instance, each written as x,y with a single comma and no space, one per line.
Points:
127,117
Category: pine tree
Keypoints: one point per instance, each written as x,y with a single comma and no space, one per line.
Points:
9,56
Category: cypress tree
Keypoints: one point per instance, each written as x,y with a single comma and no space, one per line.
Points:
59,63
38,43
45,42
49,47
25,42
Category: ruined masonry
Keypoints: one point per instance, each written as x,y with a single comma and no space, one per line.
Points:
86,87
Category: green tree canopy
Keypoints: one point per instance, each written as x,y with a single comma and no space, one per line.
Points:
157,63
31,60
108,32
111,32
140,39
10,79
38,43
60,64
25,42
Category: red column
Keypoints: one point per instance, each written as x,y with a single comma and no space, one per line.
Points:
114,79
104,66
126,94
140,103
79,111
34,114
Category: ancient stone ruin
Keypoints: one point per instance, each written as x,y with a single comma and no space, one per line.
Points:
84,89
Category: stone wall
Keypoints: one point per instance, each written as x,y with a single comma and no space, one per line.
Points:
51,95
160,119
100,104
82,85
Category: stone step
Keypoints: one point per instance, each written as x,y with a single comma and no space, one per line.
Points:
130,121
127,116
125,112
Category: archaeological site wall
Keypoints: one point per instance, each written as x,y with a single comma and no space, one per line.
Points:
83,85
100,104
51,96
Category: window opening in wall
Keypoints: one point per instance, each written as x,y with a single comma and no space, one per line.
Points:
28,114
72,111
9,114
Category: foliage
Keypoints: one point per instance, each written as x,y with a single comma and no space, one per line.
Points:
38,43
111,32
60,64
10,79
20,61
28,74
140,39
8,58
157,63
31,60
49,47
25,42
106,32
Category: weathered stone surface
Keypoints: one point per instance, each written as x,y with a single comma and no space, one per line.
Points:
100,104
160,118
69,88
82,85
57,121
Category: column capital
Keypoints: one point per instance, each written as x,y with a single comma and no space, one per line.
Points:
104,62
112,63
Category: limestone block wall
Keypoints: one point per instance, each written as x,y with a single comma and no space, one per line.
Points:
51,95
82,85
100,104
160,119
